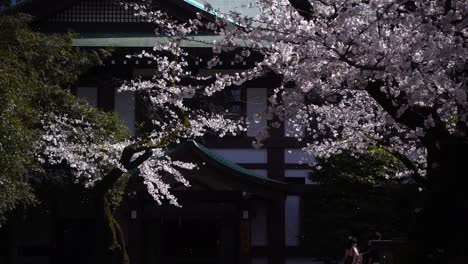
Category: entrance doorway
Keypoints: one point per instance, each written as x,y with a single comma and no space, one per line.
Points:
199,233
190,241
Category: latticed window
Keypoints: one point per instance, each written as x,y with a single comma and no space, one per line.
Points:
233,101
92,11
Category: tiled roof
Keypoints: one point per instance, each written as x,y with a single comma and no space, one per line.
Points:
256,183
229,164
225,6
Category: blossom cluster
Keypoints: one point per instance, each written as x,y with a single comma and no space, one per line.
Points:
86,152
79,147
361,69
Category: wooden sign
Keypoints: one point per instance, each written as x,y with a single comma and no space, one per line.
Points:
245,243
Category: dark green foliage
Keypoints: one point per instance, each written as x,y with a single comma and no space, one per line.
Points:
333,213
16,133
36,71
374,167
49,59
357,197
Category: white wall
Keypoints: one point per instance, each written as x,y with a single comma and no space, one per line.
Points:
297,156
299,174
243,155
256,104
292,216
89,94
124,106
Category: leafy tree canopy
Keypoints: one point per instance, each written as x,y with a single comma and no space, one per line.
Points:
372,168
36,71
74,143
360,194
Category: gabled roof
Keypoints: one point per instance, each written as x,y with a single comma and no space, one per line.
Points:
97,25
230,172
44,7
80,14
214,157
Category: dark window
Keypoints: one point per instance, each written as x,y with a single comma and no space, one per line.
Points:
234,105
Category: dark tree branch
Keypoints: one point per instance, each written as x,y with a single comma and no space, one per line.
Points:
130,151
374,67
303,7
447,6
140,159
411,117
113,176
107,181
409,164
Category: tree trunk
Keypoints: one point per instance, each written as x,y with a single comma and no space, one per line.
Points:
110,243
441,232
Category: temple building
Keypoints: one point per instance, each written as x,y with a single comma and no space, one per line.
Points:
245,205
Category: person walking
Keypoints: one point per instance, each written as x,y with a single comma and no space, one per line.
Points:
352,255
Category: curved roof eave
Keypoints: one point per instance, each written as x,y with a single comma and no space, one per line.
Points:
242,174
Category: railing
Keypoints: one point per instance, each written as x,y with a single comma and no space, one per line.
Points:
390,251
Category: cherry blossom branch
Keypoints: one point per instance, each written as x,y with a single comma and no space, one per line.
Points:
397,107
407,162
129,152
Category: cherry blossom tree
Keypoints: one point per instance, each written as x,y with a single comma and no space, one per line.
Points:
355,74
94,155
85,151
384,73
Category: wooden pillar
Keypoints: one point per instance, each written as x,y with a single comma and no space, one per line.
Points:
244,237
275,210
276,232
135,231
